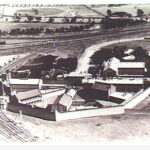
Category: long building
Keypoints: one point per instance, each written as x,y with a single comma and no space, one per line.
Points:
22,85
29,97
119,88
114,67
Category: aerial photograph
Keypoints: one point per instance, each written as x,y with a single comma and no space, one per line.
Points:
74,73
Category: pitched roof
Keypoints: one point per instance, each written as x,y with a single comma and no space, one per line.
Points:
65,100
112,64
71,92
115,64
28,94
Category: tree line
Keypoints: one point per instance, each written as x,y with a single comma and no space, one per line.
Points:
108,23
36,31
139,13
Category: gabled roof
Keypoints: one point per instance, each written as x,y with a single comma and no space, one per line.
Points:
114,64
65,100
111,64
28,94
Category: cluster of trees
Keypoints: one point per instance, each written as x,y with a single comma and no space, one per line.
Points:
3,32
116,5
50,67
69,29
118,14
27,31
52,74
31,18
140,13
36,31
120,22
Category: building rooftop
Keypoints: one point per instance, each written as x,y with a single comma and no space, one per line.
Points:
112,64
131,65
115,63
71,92
65,100
129,51
106,103
78,75
122,81
131,57
28,94
121,95
115,81
25,81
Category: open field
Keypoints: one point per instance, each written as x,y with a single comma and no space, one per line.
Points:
65,10
125,128
79,10
48,11
42,11
132,9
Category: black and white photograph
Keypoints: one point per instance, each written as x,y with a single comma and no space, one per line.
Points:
74,73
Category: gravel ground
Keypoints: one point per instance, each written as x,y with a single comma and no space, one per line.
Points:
115,129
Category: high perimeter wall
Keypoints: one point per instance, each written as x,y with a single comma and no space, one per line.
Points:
89,113
34,112
58,116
